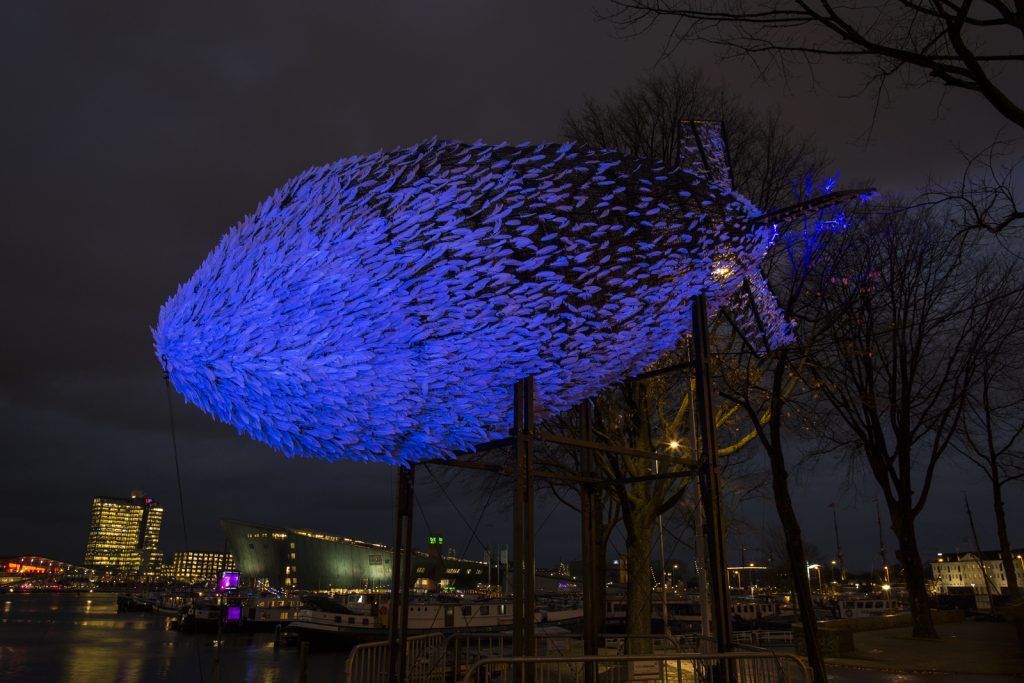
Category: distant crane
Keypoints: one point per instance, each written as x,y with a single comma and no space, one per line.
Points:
839,547
989,589
881,545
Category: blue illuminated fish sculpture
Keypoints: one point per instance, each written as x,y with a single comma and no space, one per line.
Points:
381,307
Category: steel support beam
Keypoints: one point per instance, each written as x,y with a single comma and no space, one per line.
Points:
607,448
401,559
658,372
523,542
590,512
710,483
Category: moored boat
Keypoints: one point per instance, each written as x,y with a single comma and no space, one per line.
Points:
325,618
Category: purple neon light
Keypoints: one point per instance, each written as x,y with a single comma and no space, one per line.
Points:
228,581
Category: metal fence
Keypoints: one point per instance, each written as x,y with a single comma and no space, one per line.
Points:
434,658
733,667
424,661
768,639
463,650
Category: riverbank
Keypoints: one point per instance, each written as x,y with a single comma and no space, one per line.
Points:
965,647
61,638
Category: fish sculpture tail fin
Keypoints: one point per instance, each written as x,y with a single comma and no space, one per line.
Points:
802,209
704,150
755,314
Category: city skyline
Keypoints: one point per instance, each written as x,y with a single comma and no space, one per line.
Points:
823,548
151,170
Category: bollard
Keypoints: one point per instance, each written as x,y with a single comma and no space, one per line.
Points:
303,661
219,643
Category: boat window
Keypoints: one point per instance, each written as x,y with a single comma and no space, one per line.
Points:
337,620
485,610
351,620
467,610
501,608
365,622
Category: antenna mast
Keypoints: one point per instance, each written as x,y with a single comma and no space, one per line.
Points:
881,544
839,547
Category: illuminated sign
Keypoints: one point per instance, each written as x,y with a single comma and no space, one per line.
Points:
228,581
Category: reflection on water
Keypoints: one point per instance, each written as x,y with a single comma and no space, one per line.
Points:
61,638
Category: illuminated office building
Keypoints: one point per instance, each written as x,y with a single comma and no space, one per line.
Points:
124,535
199,566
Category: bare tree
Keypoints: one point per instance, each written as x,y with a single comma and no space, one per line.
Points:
992,429
907,324
765,386
770,160
652,416
986,195
972,45
769,155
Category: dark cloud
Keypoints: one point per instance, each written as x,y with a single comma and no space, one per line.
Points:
134,134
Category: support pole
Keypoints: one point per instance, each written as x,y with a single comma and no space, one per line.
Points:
666,627
710,483
523,642
593,607
401,558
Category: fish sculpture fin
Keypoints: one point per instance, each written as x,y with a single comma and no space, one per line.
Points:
704,150
755,314
803,209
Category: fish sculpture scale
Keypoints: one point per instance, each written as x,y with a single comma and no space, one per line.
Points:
380,307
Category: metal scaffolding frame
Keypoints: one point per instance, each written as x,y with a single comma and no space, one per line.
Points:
524,435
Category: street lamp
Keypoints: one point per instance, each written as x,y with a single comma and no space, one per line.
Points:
816,567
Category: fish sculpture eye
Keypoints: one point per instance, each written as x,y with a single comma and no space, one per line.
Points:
381,307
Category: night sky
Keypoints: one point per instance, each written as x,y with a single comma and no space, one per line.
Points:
134,136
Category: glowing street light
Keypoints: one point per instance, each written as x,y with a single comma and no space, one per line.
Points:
816,567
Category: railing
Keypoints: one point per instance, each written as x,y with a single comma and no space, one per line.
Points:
462,650
745,667
767,639
434,658
370,662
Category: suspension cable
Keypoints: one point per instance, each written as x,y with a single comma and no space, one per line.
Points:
181,495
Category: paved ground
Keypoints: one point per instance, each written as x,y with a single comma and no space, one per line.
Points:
855,676
972,651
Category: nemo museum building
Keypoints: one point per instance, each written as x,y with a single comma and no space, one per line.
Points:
310,560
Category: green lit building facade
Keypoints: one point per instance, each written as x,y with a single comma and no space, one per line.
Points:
310,560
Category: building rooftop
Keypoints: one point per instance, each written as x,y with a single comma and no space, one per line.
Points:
965,555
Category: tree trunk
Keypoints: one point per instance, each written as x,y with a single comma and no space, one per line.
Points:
797,562
1006,553
639,537
913,568
600,572
1009,568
